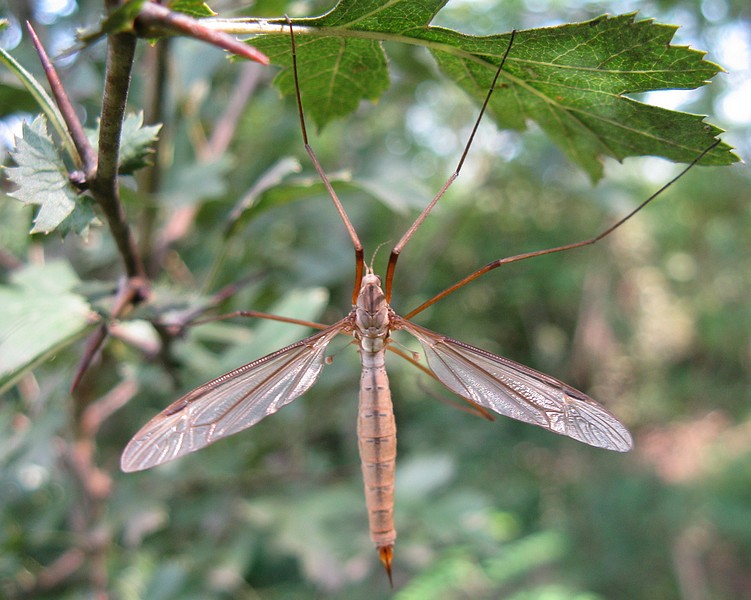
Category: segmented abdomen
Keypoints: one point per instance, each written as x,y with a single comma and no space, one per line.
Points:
376,432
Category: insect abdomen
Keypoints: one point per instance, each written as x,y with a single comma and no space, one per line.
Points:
376,432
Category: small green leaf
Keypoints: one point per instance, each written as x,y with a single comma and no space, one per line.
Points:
41,314
42,180
194,8
136,143
335,72
82,217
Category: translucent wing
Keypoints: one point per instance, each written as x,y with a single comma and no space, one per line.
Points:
519,392
230,403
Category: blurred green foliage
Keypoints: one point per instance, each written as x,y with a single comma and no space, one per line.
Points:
654,322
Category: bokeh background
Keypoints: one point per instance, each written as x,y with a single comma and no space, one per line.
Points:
654,322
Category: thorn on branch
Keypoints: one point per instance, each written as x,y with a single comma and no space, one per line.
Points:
86,156
156,17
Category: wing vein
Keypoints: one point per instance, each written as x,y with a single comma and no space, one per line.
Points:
231,402
519,392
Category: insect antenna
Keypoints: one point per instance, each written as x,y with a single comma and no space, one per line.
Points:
410,232
375,253
359,257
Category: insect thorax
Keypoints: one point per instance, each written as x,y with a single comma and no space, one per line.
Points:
372,315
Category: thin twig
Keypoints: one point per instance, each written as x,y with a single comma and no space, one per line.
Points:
98,412
120,52
177,325
86,154
57,573
93,343
127,296
8,261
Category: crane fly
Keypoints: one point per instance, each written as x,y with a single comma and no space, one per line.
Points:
241,398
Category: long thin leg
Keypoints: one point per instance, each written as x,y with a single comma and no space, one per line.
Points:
410,232
261,315
359,260
588,242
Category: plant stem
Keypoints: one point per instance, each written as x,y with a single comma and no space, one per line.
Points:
104,182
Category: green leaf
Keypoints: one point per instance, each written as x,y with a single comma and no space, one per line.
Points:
43,100
118,21
335,72
136,143
269,180
41,314
14,99
42,180
194,8
572,80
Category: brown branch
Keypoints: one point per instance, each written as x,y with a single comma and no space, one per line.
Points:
93,343
104,181
100,172
57,573
120,52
